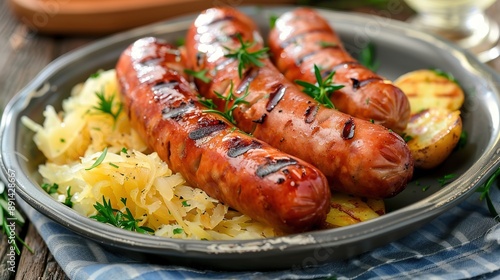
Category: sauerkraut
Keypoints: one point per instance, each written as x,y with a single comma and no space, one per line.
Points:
73,141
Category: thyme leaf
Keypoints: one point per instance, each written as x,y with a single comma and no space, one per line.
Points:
99,159
322,90
105,105
202,74
108,215
230,103
245,57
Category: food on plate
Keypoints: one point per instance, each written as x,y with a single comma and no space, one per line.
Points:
357,156
435,125
431,88
347,210
157,197
244,173
302,39
432,135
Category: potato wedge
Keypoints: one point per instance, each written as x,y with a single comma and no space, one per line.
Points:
433,135
348,210
430,89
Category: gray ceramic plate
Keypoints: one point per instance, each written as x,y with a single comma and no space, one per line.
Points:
400,49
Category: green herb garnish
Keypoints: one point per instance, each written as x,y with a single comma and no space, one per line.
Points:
202,74
484,191
245,57
109,215
272,21
68,201
368,58
185,203
178,230
9,216
444,74
124,150
230,104
50,189
323,89
325,44
446,179
114,165
99,159
105,105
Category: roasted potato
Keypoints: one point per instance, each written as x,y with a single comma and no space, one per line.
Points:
431,89
432,135
347,210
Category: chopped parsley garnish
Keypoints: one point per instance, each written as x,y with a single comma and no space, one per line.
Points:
323,89
245,57
50,189
178,230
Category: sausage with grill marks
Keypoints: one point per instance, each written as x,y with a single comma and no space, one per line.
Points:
356,156
302,38
231,166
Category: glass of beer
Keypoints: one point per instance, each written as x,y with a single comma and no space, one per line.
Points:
461,21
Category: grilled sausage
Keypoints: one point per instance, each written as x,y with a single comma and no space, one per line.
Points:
301,39
239,170
356,156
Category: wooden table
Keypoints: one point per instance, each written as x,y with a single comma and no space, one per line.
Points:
22,55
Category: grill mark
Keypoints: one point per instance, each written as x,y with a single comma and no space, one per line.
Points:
301,60
297,36
348,130
275,97
160,89
206,129
365,82
310,113
238,146
261,119
273,166
176,112
221,19
248,77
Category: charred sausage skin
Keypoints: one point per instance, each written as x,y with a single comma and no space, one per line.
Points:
356,156
302,38
237,169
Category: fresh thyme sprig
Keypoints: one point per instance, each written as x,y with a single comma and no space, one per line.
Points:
245,57
105,105
107,214
228,109
484,191
202,74
323,89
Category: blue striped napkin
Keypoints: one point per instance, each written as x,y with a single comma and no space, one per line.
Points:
463,243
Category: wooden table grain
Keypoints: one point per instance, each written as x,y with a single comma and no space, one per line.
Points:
23,54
